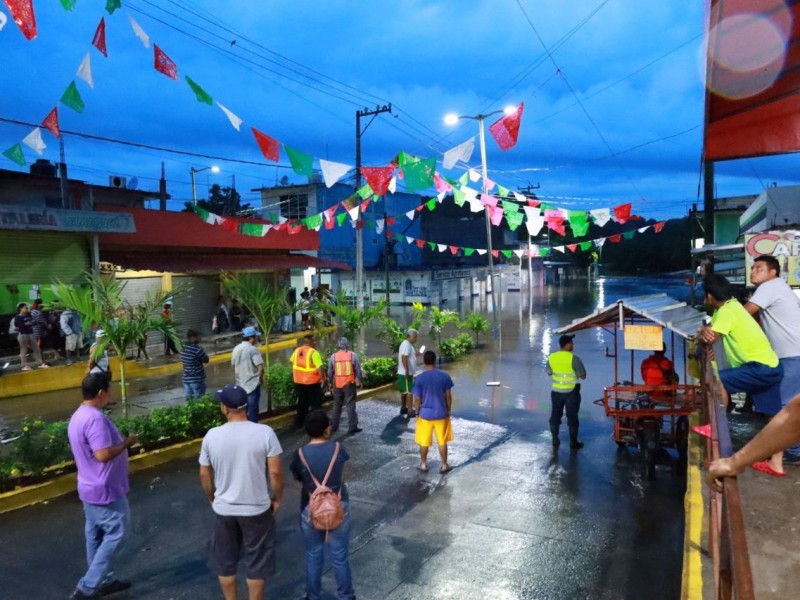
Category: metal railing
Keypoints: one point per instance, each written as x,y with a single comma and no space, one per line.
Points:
727,541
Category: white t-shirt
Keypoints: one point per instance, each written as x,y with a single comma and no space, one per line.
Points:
238,454
245,359
780,316
407,349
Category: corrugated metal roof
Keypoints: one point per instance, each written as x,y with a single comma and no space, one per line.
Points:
659,308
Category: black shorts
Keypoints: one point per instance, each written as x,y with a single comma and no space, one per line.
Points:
247,539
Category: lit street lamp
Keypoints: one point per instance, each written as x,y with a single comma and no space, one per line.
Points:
192,171
452,119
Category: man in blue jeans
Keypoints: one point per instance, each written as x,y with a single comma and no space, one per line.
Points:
101,456
248,366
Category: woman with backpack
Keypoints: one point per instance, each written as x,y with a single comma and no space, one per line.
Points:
324,507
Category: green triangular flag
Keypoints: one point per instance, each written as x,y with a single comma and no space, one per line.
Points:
587,245
578,222
252,229
15,153
431,204
509,207
502,191
628,235
201,212
112,5
514,220
507,253
404,159
469,251
340,218
273,218
314,221
365,191
544,251
544,206
459,197
464,179
302,163
419,175
370,224
68,4
73,99
201,94
376,198
432,245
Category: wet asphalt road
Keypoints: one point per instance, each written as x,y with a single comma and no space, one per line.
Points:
513,520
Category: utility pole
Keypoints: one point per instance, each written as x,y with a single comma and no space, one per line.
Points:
162,189
708,201
359,291
62,173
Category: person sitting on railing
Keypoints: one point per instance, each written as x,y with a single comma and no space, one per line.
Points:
781,433
754,366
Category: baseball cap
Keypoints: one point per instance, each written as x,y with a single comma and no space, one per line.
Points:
565,339
249,332
232,396
344,343
99,334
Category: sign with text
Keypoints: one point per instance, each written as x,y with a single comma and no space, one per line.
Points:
56,219
644,337
783,245
456,274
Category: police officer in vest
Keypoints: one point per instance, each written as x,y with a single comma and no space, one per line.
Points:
565,368
308,373
344,371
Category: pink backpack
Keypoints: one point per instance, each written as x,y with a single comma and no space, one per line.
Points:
324,506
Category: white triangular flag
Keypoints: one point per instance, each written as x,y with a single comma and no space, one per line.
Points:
520,197
480,251
440,196
282,220
441,247
379,226
85,71
332,171
599,242
469,193
462,152
215,219
409,239
474,175
559,249
475,205
139,32
410,215
519,253
393,185
266,229
3,20
235,121
34,140
534,224
353,212
601,215
643,229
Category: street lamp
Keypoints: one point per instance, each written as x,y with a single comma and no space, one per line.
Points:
192,171
452,119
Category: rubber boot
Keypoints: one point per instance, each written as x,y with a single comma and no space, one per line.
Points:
573,439
554,433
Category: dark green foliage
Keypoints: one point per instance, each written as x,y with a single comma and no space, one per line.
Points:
281,385
456,347
378,371
41,445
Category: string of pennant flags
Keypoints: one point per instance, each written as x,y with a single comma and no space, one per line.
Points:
417,174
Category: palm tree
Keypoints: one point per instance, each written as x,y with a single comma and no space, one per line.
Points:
437,320
393,333
353,319
476,323
100,302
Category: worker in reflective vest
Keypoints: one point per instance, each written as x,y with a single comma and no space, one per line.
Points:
344,370
566,369
308,373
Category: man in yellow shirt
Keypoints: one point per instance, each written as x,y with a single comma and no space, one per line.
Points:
308,372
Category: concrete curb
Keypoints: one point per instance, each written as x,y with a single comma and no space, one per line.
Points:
65,484
692,576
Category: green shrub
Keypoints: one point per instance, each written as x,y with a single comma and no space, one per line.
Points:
378,371
456,347
281,385
476,323
41,445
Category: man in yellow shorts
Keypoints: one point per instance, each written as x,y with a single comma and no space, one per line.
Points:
433,401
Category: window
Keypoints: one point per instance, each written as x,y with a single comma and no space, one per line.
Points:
294,206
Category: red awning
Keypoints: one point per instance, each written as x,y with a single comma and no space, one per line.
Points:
194,262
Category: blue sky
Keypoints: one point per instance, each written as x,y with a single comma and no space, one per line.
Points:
613,113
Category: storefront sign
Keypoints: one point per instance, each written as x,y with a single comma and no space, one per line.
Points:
52,219
783,245
419,291
456,274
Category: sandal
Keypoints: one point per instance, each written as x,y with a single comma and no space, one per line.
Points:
422,469
765,467
445,469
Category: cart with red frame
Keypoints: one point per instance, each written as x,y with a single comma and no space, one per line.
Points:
653,418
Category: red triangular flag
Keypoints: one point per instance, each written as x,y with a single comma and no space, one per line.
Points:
533,203
454,249
659,226
390,221
270,148
163,63
622,212
99,39
330,223
363,206
22,13
295,230
615,238
420,243
51,122
230,225
389,234
496,253
360,224
506,129
572,247
419,208
378,178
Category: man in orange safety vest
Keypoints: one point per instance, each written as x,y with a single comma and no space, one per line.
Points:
344,371
308,373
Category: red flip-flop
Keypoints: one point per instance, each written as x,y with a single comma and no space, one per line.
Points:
703,430
765,467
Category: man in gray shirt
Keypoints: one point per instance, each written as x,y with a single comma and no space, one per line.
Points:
778,308
248,366
241,475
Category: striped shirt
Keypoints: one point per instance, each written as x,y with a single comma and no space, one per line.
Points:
193,356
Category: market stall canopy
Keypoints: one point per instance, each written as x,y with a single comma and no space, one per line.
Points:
656,308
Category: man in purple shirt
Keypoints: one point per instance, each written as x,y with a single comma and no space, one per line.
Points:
101,456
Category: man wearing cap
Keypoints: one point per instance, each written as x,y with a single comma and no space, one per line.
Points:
248,366
406,367
241,475
344,371
565,368
98,363
309,376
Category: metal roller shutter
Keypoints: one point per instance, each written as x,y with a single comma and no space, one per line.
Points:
40,257
136,289
196,308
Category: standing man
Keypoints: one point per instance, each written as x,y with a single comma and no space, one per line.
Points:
70,323
778,308
193,358
434,402
101,457
406,367
248,366
23,323
169,343
565,368
344,370
40,324
309,377
241,475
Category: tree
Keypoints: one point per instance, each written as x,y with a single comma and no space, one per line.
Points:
265,302
101,303
221,201
352,318
393,333
476,323
437,320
